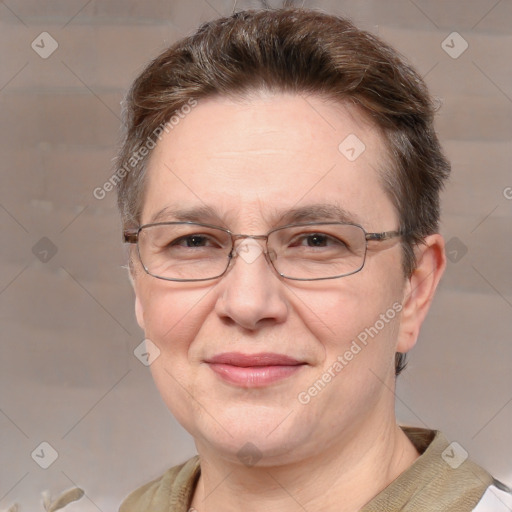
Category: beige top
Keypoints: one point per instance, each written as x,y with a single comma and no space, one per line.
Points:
440,480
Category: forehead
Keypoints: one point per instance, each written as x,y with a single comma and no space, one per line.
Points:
253,159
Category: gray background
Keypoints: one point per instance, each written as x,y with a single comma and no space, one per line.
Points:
67,370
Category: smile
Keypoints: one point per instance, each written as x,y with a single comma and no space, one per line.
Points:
253,370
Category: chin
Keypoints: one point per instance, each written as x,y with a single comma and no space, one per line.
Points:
252,439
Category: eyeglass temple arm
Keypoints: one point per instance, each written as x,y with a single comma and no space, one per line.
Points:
385,235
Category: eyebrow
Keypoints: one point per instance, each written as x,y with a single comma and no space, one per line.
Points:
318,212
309,213
194,214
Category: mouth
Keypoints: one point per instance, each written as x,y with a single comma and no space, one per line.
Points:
254,370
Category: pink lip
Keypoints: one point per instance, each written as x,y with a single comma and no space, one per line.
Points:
253,370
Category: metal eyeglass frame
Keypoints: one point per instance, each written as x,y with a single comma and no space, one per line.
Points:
131,236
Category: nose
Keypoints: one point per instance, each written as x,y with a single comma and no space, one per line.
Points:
251,295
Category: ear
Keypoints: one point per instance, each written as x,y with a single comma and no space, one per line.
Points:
139,311
420,289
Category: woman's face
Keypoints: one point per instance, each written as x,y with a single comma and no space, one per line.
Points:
245,165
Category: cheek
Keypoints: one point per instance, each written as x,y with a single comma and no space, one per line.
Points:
358,317
172,314
357,346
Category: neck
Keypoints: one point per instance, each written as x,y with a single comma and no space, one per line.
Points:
342,477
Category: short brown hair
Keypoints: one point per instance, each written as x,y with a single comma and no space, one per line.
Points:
296,50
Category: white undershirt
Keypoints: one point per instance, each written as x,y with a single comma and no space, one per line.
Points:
494,500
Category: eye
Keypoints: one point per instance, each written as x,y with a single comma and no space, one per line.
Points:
316,240
194,240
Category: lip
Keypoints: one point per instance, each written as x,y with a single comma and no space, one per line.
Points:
253,370
261,359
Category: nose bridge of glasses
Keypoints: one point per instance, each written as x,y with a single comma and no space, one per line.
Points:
243,237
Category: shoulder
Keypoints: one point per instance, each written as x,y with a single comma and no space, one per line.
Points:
173,489
497,498
459,480
441,478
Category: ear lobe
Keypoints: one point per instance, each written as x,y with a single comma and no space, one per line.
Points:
420,289
139,312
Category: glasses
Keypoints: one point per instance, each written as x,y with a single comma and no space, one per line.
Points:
189,251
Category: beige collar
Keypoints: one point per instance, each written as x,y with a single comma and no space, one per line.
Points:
439,480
